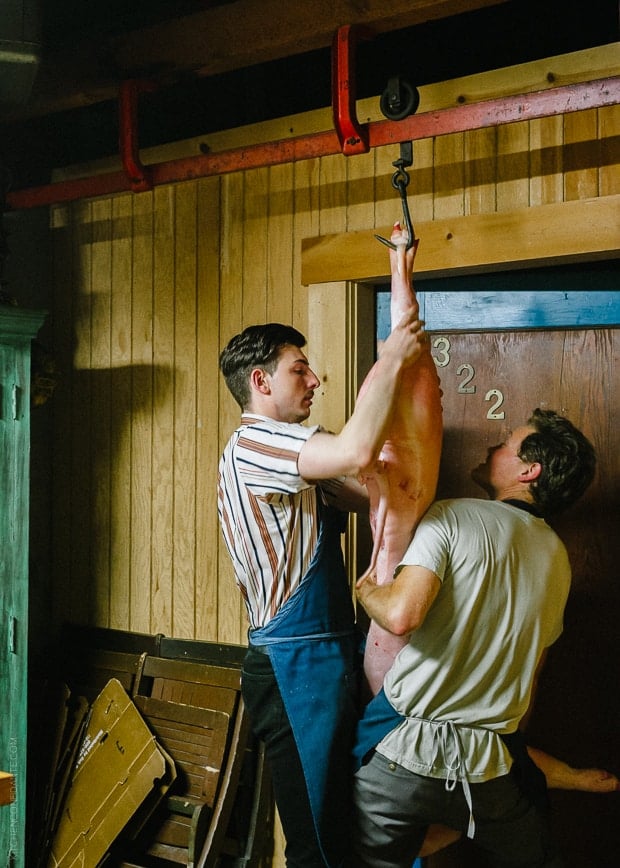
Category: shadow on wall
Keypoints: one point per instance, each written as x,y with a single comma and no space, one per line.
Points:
114,418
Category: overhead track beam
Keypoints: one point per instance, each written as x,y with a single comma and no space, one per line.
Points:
349,136
506,110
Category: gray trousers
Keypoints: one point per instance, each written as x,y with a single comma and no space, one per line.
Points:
394,807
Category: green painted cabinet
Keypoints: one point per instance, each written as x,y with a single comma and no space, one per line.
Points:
17,328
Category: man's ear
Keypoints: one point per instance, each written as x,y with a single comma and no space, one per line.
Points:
259,382
531,472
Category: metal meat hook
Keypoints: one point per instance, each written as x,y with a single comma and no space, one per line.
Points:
400,181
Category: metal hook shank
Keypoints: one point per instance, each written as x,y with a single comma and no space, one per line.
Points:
400,181
406,214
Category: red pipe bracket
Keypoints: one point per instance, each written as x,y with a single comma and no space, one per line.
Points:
353,138
139,175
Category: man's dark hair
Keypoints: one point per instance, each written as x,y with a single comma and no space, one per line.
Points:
567,459
257,346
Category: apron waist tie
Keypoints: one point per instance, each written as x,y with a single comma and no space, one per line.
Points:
457,769
265,641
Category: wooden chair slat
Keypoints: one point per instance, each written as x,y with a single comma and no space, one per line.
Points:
189,694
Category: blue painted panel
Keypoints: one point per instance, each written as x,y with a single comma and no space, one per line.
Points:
501,311
583,296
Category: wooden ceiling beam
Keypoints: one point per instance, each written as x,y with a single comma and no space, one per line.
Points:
217,40
257,31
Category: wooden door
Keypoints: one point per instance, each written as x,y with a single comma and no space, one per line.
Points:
491,382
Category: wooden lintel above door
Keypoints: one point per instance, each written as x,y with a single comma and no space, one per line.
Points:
560,233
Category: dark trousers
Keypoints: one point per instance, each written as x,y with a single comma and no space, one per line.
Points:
395,806
270,723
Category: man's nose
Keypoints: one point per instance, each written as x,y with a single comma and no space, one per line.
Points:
313,382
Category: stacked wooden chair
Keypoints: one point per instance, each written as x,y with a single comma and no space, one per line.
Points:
216,807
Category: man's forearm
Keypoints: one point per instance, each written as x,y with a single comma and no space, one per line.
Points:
375,600
357,446
365,432
371,418
402,605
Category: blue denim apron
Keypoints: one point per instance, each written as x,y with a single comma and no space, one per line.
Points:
315,652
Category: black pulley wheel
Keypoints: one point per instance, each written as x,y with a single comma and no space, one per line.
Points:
399,100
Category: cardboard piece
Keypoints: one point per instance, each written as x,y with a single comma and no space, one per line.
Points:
119,766
71,716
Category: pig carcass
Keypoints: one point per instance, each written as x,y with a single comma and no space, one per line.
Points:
402,485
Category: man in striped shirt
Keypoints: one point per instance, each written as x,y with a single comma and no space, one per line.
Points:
283,490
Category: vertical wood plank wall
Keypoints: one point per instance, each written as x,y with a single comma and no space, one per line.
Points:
148,288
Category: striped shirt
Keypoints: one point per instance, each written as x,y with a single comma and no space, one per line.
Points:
267,512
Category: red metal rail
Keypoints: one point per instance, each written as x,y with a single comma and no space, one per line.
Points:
349,137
